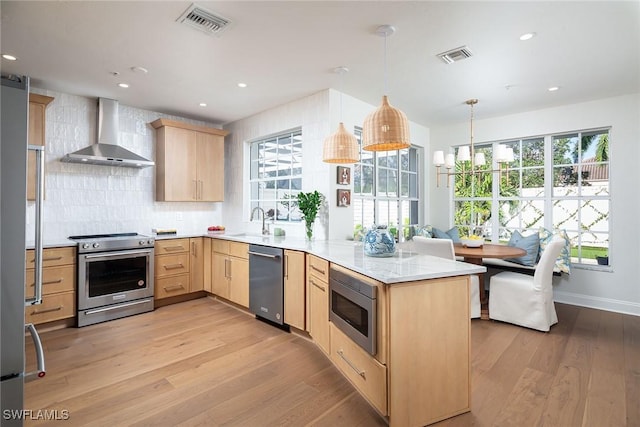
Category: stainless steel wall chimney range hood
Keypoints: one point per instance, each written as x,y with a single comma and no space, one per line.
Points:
106,151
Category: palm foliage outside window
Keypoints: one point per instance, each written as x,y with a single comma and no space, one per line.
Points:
386,185
556,181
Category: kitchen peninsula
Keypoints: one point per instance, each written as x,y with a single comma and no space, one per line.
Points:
420,373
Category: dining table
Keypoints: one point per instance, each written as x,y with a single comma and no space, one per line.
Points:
475,255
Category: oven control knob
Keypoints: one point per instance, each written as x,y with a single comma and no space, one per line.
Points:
96,245
150,241
142,242
85,246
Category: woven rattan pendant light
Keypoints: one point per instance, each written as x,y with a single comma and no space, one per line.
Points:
341,147
387,128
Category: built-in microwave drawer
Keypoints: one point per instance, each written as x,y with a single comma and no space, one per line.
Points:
169,265
364,371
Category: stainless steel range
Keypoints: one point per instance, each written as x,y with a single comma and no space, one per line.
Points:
115,276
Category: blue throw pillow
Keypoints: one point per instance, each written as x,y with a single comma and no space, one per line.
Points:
528,243
451,234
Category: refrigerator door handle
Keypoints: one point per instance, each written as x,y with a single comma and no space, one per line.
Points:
37,298
40,369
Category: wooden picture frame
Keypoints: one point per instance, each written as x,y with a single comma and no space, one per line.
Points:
343,198
344,175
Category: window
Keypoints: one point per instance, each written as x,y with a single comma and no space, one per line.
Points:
386,189
556,181
276,175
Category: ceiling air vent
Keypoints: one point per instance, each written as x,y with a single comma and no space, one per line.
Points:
203,20
455,55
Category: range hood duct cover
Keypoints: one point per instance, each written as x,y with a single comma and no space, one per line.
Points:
106,152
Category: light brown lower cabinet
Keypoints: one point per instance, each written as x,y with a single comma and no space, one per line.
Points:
230,271
58,285
172,267
196,264
318,301
294,289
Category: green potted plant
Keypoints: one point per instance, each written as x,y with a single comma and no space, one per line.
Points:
309,204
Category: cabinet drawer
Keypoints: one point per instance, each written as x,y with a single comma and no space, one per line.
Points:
170,286
171,246
53,256
54,280
364,372
319,268
220,246
170,265
239,250
53,307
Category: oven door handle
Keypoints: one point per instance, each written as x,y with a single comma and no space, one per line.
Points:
118,254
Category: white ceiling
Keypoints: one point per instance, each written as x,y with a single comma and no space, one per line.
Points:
287,50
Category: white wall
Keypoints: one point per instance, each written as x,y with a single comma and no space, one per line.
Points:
318,115
88,199
618,289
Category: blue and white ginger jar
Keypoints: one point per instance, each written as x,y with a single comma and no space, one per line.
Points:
378,242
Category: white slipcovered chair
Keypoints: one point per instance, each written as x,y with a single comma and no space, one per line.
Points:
527,300
443,248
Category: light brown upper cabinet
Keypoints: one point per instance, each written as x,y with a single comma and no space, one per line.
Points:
37,106
189,162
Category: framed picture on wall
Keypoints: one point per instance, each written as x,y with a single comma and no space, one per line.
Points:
344,175
344,198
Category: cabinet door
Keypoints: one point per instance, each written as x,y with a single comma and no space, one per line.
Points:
196,266
239,284
294,297
219,275
176,175
210,167
37,107
319,312
206,274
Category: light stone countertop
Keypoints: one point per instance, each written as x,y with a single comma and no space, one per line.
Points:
405,266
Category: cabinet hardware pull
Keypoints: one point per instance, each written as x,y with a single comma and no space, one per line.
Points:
193,248
226,274
173,266
174,248
49,282
52,258
263,255
317,269
286,266
47,310
117,307
195,188
174,287
316,285
351,365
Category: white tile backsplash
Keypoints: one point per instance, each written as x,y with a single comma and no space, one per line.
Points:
88,199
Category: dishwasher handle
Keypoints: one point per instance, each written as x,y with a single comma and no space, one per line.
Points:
263,255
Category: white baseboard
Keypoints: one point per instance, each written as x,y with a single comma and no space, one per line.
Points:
599,303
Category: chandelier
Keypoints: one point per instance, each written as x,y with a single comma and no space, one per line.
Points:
467,156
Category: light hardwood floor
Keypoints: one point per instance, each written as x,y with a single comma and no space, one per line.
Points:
203,363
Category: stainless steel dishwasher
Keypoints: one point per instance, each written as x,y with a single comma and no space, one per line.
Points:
266,281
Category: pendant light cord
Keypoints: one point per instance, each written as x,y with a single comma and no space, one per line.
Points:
386,88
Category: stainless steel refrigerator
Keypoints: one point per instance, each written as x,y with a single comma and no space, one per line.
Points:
14,109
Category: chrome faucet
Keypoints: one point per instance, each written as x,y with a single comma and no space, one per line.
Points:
265,227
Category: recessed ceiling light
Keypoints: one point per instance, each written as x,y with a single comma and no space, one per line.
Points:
9,57
242,85
527,36
140,70
203,104
123,85
553,88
